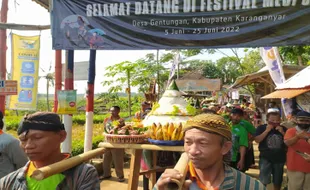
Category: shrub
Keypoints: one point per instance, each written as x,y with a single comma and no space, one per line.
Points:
12,122
78,145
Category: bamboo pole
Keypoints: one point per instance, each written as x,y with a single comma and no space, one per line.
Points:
143,146
64,165
181,167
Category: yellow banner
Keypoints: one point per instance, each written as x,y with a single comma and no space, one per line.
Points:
25,69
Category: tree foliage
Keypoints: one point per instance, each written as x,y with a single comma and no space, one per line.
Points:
296,55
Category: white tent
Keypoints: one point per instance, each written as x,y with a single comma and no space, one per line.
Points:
299,80
294,86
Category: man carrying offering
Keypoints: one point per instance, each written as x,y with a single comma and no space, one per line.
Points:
113,153
207,141
41,134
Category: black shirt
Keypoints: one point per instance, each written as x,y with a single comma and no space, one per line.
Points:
272,147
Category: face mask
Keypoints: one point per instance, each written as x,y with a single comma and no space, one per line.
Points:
273,124
304,126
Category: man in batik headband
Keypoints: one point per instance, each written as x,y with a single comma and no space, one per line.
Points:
298,165
207,141
41,135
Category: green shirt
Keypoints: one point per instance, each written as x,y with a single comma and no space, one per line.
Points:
248,126
239,138
49,183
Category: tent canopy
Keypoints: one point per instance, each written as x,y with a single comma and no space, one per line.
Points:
43,3
294,86
299,80
262,76
286,93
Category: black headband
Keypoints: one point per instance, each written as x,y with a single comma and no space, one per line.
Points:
25,126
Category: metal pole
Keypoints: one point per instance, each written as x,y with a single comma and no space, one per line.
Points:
129,91
158,85
90,101
67,144
178,63
58,77
3,47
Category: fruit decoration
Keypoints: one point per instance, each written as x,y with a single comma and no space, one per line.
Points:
167,132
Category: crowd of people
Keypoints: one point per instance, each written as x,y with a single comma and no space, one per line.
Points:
219,143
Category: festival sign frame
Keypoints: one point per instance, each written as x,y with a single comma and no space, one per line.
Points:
178,24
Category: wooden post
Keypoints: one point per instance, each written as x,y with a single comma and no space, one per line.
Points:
3,47
154,164
265,100
133,180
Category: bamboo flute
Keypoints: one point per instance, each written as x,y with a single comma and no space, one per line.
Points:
58,167
181,166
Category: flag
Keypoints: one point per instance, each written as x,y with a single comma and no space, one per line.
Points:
25,69
174,66
271,57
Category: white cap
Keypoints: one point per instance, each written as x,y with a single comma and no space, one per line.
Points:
273,110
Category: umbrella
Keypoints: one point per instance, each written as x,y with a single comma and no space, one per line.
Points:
74,21
98,31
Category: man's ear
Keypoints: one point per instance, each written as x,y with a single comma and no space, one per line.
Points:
63,135
226,147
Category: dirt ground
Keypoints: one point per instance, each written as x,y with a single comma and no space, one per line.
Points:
113,183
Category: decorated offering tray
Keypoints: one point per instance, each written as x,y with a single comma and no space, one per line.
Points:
166,143
128,133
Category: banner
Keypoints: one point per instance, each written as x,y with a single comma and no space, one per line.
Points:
271,57
177,24
272,60
66,102
25,69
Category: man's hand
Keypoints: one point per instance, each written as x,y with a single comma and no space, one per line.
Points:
240,165
269,128
308,141
280,129
302,135
166,178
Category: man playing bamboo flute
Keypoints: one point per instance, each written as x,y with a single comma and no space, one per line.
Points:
40,135
207,143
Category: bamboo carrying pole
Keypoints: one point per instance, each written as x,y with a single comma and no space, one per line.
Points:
181,166
64,165
142,146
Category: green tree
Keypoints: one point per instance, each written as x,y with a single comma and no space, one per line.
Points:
252,62
50,82
295,55
135,74
121,75
206,67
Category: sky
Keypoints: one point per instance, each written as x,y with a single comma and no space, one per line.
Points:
29,12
